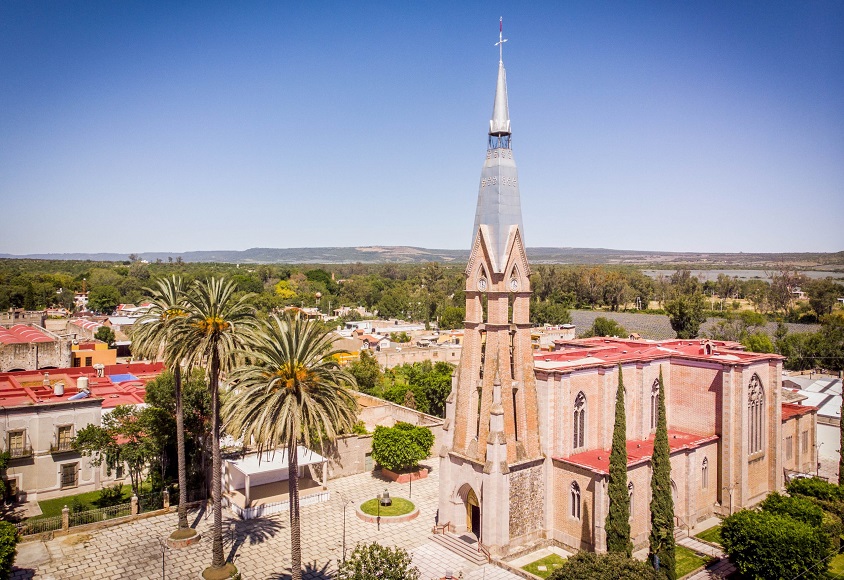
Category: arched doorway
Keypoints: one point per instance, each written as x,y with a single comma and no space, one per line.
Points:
473,513
470,500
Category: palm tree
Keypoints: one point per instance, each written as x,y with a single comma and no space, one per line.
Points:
153,337
213,332
294,392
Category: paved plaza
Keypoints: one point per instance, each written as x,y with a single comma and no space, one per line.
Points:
260,548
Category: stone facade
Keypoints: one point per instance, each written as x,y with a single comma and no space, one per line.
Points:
51,353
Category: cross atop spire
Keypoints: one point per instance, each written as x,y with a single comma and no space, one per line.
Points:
501,41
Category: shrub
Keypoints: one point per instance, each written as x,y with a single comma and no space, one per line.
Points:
110,495
817,488
799,508
610,566
76,506
376,562
8,543
401,447
768,545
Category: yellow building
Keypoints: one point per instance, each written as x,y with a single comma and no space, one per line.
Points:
90,352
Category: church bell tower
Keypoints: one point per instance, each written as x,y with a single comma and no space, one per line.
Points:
491,457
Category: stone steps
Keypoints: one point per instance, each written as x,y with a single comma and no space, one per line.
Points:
463,549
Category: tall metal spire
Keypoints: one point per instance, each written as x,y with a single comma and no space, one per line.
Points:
499,205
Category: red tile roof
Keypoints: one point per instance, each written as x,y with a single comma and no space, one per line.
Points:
23,334
27,388
790,410
598,460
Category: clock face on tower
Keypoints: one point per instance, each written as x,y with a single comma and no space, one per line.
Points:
514,284
482,284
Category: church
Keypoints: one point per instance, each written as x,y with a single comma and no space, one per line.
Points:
527,434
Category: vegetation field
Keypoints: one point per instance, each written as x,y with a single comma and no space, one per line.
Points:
687,561
712,535
399,507
53,507
551,563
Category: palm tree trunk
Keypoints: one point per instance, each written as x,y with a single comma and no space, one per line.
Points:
295,533
217,559
180,450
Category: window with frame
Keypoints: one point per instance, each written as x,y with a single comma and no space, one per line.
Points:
88,361
17,443
575,500
804,441
77,362
704,473
64,438
755,415
789,447
70,475
654,403
579,421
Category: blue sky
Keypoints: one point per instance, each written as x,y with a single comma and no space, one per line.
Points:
678,126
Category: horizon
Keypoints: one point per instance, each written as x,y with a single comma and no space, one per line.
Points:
673,128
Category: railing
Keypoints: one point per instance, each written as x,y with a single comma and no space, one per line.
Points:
440,528
99,514
148,502
62,447
39,525
485,551
18,452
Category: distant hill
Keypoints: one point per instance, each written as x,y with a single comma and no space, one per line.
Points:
410,255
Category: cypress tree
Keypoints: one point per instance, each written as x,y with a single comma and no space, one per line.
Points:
618,518
662,504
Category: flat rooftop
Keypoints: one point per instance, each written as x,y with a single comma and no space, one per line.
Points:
122,384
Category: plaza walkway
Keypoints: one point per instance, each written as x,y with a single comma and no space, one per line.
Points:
260,548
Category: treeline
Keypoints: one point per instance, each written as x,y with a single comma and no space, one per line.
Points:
424,292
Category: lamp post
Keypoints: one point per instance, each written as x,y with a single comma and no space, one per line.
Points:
345,505
378,517
818,459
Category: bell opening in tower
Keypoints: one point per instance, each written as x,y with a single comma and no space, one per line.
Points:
499,141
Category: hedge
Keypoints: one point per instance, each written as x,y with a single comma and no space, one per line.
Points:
609,566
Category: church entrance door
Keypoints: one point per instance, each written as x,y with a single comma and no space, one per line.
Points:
473,514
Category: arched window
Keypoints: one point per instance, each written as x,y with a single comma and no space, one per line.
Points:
704,473
755,415
654,403
579,421
575,500
630,497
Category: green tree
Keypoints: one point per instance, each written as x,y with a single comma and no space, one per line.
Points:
661,539
293,391
401,447
758,342
212,334
8,548
685,312
606,327
103,299
823,294
547,312
154,338
767,545
106,335
127,436
376,562
609,566
452,317
618,516
366,371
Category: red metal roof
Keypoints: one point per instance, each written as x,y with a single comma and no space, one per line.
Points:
598,460
790,410
601,351
27,388
23,334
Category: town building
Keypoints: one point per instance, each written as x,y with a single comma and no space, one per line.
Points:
25,347
43,411
527,434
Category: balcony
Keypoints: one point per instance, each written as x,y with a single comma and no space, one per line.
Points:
61,447
20,451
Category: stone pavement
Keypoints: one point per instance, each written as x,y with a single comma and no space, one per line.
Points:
720,569
260,548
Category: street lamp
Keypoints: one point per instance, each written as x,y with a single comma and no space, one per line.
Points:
345,505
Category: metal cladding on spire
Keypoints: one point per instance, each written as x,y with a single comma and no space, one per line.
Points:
499,205
500,123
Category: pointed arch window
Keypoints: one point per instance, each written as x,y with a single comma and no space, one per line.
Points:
755,415
654,404
579,422
575,500
704,473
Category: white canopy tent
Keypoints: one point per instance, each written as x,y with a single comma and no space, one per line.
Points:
267,467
